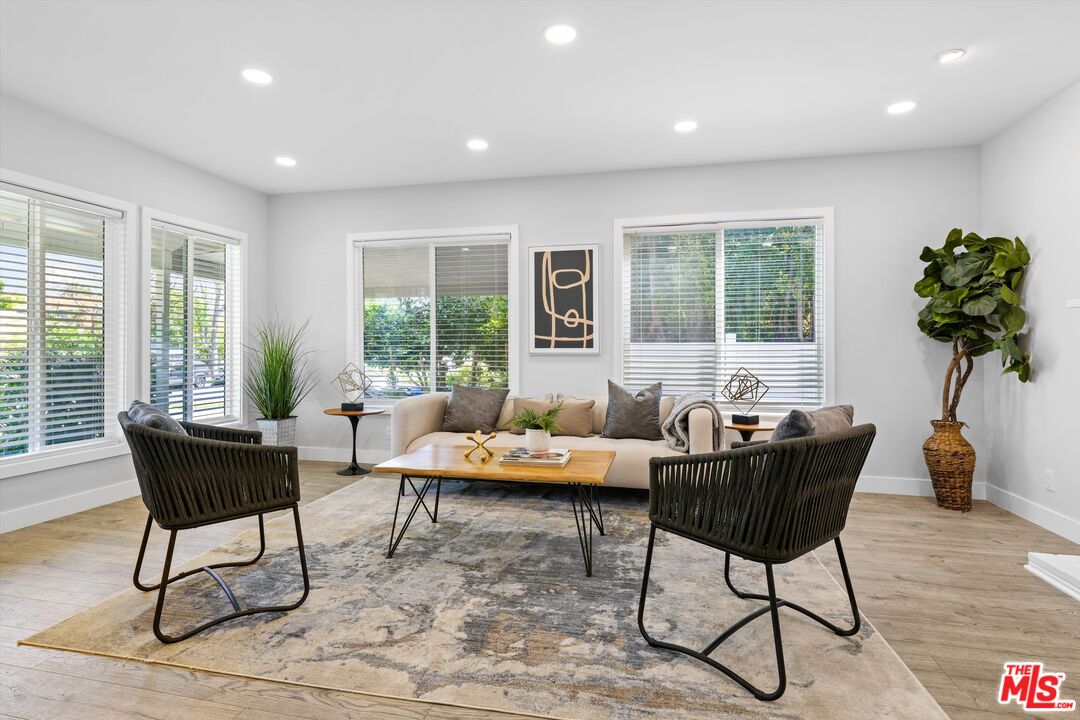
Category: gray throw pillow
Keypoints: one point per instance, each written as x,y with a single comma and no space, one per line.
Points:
473,408
800,423
633,416
150,416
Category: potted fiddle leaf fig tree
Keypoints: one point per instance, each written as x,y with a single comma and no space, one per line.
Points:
972,287
278,378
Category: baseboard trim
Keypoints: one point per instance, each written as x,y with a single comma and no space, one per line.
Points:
59,507
342,455
1057,570
919,487
1044,517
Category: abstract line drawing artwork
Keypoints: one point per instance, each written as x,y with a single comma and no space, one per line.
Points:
564,294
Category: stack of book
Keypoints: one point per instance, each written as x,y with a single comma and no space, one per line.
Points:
556,457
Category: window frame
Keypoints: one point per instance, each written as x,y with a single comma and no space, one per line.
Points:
825,215
354,288
235,358
121,291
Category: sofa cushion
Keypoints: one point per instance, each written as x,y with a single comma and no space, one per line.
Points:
150,416
800,423
599,411
633,416
575,418
473,408
507,411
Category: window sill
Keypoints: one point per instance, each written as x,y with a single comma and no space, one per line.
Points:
55,459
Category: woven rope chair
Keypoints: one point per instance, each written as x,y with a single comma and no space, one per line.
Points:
212,475
765,502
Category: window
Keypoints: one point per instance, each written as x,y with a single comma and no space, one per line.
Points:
433,310
702,300
195,321
61,321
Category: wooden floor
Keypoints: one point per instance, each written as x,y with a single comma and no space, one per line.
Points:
948,591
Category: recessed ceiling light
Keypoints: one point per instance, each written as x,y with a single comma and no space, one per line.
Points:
559,34
685,126
285,161
949,56
904,106
477,144
257,77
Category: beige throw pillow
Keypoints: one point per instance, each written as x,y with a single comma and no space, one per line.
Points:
575,418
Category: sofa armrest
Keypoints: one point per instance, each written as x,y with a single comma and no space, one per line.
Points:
702,432
414,417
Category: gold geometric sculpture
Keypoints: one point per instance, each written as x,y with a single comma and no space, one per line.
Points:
485,454
744,386
353,383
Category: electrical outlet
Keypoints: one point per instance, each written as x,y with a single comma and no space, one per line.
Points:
387,431
1048,480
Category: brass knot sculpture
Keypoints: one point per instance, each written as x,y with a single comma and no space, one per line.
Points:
485,453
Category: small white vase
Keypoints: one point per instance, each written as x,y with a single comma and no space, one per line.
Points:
537,440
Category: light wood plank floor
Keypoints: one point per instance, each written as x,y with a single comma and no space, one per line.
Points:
948,591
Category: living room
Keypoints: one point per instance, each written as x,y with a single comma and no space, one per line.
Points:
715,267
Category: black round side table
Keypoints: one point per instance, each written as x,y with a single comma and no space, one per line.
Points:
354,420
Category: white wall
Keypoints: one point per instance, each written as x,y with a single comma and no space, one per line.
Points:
887,207
1031,188
39,143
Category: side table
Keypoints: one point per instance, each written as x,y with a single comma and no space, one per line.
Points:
747,431
354,420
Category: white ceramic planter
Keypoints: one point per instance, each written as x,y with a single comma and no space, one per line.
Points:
278,432
537,440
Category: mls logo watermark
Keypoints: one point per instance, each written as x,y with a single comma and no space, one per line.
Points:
1033,688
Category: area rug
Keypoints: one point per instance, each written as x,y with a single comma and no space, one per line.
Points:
491,608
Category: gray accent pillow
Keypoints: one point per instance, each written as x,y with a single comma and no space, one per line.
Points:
800,423
152,417
473,408
633,416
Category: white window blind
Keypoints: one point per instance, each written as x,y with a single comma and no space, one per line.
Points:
61,361
195,323
701,302
434,314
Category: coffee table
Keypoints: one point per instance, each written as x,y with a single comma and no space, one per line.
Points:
432,463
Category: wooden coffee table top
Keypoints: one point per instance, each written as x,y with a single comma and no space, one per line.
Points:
587,467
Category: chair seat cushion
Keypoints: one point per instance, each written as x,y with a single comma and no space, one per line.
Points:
152,417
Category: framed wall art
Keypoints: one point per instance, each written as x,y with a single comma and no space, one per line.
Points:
564,314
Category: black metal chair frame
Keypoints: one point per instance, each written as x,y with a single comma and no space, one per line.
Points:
210,476
768,503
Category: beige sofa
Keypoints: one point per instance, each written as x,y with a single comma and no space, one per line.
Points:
417,421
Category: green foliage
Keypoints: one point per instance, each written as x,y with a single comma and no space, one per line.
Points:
278,377
768,285
529,419
470,341
973,302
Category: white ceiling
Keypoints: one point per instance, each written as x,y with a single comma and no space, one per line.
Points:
376,94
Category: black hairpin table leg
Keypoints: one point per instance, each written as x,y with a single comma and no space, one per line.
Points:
420,493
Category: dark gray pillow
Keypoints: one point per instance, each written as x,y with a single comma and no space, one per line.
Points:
633,416
150,416
473,408
800,423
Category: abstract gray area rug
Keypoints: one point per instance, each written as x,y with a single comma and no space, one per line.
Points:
490,608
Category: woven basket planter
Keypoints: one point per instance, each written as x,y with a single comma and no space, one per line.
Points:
951,462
